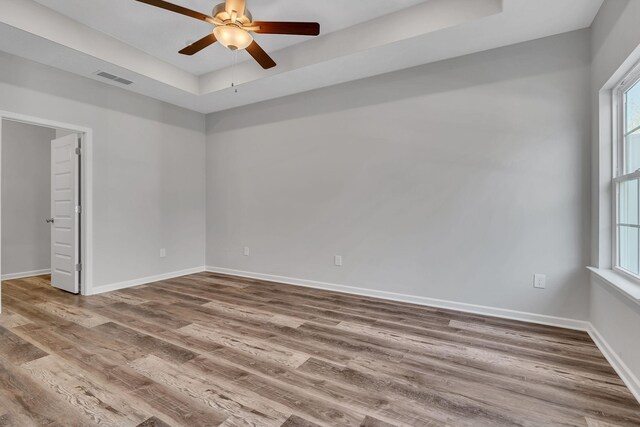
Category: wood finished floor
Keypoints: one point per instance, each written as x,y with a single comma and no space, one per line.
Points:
213,350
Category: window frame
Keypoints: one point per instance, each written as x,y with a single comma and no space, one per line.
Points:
619,176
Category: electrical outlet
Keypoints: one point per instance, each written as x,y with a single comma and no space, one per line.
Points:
163,253
539,281
245,251
337,260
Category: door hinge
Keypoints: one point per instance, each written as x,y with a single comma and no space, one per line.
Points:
78,209
78,151
78,267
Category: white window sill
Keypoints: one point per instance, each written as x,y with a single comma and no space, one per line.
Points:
626,286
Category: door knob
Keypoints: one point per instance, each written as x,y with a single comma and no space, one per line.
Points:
49,220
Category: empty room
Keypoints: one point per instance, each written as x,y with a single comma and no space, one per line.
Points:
332,213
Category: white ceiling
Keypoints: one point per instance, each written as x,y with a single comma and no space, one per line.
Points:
163,34
140,43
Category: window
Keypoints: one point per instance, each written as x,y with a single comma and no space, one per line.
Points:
627,177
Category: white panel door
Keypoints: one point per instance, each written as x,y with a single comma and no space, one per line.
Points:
65,225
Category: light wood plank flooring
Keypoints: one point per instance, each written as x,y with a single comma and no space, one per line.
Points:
213,350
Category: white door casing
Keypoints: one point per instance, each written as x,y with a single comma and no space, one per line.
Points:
65,213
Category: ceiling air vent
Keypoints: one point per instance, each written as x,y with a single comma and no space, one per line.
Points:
114,78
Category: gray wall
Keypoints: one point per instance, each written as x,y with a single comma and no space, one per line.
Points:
615,35
456,180
26,200
148,177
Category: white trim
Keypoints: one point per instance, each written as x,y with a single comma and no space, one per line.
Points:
86,171
542,319
618,147
630,78
617,156
631,381
623,283
145,280
24,274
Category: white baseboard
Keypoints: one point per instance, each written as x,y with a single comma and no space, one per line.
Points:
24,274
621,368
144,280
542,319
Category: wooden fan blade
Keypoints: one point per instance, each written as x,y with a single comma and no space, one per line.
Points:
196,47
237,5
292,28
177,9
260,56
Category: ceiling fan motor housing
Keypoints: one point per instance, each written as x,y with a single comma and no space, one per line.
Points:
221,13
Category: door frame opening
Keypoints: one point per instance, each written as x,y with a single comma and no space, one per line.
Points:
86,186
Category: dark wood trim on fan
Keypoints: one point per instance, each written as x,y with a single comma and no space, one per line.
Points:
177,9
196,47
289,28
260,56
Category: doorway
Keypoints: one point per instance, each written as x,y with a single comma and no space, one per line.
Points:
45,202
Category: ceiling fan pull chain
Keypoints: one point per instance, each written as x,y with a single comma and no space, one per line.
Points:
233,69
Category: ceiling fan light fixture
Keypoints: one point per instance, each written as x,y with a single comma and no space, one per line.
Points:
232,37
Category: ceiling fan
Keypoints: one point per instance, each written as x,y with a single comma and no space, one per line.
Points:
233,25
